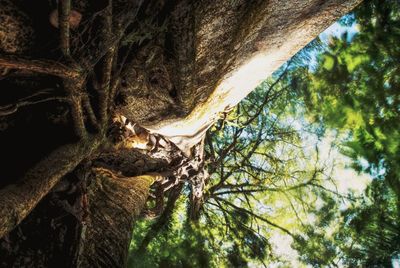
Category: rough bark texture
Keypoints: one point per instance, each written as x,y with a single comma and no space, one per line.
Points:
224,49
87,226
114,202
172,66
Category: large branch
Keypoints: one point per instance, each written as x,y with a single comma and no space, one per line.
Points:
235,52
18,200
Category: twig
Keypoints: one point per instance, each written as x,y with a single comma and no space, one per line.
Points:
12,108
39,66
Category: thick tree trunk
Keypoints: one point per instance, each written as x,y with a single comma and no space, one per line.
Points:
172,66
114,203
85,227
221,50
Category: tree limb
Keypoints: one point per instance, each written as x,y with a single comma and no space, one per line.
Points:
12,108
75,98
162,220
17,200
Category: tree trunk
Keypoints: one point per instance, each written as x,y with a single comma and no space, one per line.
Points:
223,49
114,203
172,66
85,227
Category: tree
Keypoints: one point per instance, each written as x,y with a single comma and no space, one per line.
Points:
354,89
77,84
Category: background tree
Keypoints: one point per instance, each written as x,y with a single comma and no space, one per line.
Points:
354,88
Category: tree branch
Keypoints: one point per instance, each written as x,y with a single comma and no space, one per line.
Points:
12,108
41,66
18,200
76,107
90,113
257,217
64,8
104,90
162,220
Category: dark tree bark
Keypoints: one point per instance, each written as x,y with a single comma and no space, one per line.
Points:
102,102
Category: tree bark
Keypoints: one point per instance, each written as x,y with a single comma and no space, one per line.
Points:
221,50
17,200
114,203
86,227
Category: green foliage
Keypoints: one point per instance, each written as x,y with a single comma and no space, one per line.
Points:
368,234
179,244
355,89
263,183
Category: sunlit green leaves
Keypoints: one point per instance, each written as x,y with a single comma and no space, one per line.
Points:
355,89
